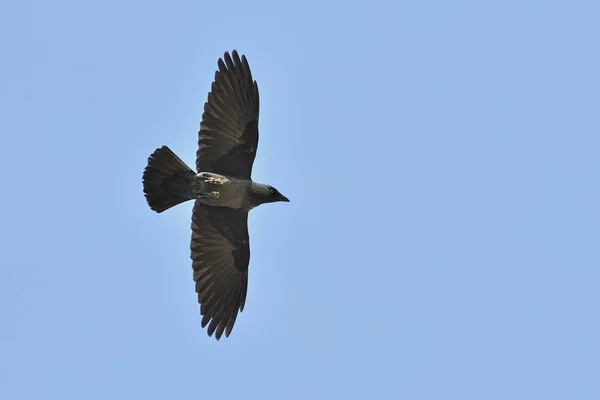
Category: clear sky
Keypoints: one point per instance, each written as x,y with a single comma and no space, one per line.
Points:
443,235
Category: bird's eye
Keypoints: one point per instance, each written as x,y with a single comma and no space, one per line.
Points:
271,190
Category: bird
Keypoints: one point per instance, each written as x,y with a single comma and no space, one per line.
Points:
222,189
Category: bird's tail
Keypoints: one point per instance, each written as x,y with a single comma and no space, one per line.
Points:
167,180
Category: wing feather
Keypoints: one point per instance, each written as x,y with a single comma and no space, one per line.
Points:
220,253
228,136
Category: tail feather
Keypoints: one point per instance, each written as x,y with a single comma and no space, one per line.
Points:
167,180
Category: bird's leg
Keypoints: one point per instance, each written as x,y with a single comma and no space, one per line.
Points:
208,187
210,195
213,180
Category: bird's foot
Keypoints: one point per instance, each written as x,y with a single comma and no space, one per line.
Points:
214,180
210,195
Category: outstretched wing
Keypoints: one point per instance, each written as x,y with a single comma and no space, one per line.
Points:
228,135
220,257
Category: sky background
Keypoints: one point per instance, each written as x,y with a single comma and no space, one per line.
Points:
443,235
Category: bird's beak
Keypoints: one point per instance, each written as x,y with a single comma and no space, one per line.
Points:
283,198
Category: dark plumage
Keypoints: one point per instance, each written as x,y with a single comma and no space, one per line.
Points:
223,190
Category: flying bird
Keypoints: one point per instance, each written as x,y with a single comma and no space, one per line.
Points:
222,189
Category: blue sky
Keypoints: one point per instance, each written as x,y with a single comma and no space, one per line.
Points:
443,236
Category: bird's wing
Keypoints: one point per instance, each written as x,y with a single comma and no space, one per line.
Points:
220,256
228,135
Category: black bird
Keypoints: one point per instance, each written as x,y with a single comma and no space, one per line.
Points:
223,191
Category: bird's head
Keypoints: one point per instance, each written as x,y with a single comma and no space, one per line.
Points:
269,194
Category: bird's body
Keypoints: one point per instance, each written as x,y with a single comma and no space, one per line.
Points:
222,189
225,191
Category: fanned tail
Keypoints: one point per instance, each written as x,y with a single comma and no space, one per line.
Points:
167,180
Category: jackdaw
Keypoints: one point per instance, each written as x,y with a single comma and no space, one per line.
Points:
222,189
